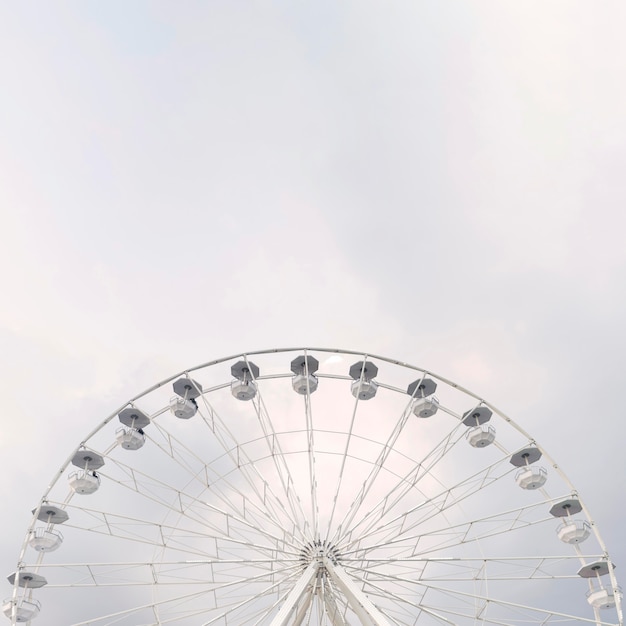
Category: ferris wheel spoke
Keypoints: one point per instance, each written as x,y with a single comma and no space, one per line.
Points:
519,613
308,413
214,574
470,530
470,599
404,605
148,487
435,505
344,457
579,555
247,601
190,506
183,539
222,524
117,616
407,483
234,606
374,472
298,517
163,608
247,468
496,568
437,612
207,475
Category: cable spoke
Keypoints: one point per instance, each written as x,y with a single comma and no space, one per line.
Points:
301,523
376,468
437,504
219,482
546,614
406,484
267,497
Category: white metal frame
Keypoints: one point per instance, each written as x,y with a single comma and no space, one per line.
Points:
237,520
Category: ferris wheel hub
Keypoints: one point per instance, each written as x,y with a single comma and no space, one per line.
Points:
318,550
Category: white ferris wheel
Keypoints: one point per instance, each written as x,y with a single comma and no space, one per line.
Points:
311,487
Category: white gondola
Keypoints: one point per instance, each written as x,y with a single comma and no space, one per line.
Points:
244,386
363,386
573,531
85,482
364,389
22,609
243,389
603,598
45,539
130,438
304,384
481,436
183,408
531,477
425,407
304,380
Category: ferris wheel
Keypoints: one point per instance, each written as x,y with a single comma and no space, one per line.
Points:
301,487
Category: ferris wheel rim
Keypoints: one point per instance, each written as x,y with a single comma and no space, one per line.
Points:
329,351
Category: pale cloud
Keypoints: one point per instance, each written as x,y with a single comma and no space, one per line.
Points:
438,184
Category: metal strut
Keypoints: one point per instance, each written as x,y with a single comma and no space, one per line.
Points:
301,595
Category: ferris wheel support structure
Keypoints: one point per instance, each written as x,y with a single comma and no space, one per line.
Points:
238,503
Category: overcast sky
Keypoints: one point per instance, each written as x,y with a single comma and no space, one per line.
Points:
438,182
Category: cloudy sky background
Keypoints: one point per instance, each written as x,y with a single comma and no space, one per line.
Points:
442,183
